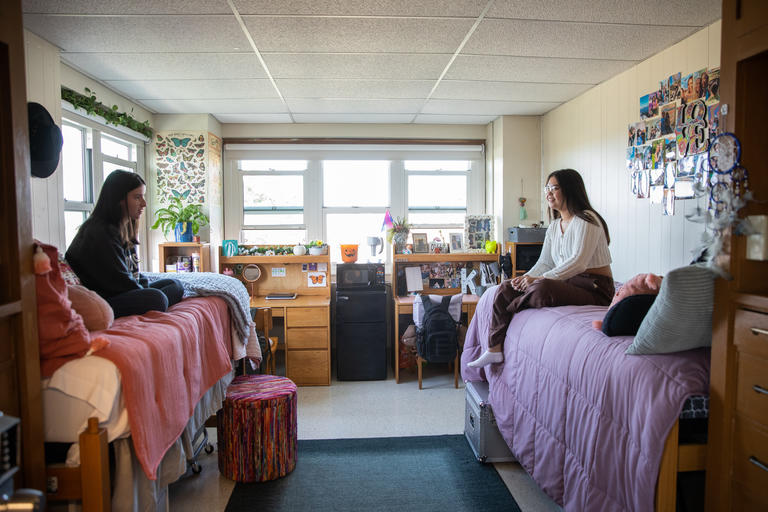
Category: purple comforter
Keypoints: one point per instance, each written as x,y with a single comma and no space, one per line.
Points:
586,421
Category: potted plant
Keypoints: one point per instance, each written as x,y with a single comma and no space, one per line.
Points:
398,233
317,248
185,220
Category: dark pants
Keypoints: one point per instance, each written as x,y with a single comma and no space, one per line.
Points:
580,290
159,296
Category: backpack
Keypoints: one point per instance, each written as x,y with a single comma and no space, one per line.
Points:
438,340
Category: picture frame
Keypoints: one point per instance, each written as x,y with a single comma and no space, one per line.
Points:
420,244
457,242
478,229
229,248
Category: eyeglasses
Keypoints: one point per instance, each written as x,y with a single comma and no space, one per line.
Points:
551,188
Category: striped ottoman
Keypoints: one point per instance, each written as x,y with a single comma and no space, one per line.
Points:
256,428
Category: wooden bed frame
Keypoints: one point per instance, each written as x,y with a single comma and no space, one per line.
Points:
677,458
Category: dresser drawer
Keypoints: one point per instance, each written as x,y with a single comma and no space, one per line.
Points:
308,367
306,337
744,499
750,450
752,389
307,317
750,332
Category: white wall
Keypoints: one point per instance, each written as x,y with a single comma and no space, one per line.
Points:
589,134
43,83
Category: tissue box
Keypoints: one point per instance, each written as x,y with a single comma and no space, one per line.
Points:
526,235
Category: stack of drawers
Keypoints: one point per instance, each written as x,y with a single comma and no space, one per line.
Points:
308,349
750,439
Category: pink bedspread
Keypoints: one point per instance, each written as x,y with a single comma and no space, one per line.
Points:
585,420
167,362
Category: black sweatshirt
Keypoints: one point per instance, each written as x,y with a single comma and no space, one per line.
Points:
102,261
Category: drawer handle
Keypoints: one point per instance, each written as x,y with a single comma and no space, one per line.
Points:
760,389
756,462
757,330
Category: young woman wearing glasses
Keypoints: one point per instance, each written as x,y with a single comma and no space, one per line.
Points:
574,268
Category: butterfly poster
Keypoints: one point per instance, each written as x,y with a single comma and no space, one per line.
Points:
316,279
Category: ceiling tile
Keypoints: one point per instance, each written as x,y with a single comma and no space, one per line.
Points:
353,106
351,65
138,66
220,106
195,89
375,89
508,91
535,69
572,40
354,118
449,119
470,8
114,7
487,108
381,35
696,13
253,118
142,34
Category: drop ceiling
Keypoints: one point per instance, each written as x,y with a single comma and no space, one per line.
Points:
353,61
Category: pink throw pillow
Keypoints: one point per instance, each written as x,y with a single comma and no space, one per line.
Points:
96,312
641,284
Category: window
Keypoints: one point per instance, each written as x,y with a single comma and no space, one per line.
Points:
88,155
273,201
339,193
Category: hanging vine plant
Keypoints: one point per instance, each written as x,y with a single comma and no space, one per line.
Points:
92,106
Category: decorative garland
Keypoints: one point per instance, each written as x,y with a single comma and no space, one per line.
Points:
110,115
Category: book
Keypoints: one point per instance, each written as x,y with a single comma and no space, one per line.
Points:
281,296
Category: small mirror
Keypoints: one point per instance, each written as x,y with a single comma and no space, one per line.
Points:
251,273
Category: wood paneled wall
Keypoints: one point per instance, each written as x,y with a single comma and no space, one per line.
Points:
589,134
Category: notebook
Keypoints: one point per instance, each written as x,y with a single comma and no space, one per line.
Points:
280,296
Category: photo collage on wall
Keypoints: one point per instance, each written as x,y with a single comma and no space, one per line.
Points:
443,275
666,151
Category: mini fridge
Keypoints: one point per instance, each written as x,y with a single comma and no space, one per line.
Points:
361,329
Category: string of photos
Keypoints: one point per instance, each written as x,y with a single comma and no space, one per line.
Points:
666,151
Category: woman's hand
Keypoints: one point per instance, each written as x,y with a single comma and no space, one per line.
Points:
521,283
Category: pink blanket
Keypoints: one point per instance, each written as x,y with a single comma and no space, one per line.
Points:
167,362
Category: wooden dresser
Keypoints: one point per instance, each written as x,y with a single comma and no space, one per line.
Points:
737,452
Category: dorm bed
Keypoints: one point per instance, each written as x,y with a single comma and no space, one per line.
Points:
149,392
595,428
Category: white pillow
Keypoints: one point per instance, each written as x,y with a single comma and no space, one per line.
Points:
418,308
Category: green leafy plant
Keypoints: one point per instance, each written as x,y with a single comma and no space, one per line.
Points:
399,225
92,106
176,212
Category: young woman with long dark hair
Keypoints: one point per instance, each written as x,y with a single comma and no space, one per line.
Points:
103,253
574,267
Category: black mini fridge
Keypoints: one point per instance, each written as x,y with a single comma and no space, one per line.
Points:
361,330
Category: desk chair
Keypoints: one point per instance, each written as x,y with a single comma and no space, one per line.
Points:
420,360
262,317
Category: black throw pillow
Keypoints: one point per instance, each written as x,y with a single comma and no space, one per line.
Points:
625,317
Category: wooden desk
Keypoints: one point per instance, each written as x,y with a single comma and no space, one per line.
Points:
307,335
404,306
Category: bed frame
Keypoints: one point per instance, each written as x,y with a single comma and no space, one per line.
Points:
677,458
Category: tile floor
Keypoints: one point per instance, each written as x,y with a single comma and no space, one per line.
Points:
366,409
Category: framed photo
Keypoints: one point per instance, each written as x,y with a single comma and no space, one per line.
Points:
457,242
420,245
477,230
229,248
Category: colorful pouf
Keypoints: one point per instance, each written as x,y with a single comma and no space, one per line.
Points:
256,429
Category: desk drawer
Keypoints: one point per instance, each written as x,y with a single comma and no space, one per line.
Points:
306,337
750,451
752,389
308,367
751,332
306,317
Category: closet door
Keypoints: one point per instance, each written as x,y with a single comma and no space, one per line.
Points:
20,394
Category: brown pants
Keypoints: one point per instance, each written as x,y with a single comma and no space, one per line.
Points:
580,290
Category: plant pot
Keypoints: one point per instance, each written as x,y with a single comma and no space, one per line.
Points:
400,238
183,232
318,251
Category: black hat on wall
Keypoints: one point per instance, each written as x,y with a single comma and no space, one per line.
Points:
44,141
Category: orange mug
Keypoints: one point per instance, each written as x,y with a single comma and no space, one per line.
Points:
349,253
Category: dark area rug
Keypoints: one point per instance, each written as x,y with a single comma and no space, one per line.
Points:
430,473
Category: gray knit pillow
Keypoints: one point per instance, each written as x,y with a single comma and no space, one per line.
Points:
681,316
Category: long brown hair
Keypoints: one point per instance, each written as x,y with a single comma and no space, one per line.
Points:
575,198
109,207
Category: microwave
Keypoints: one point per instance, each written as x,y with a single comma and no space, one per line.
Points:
360,276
